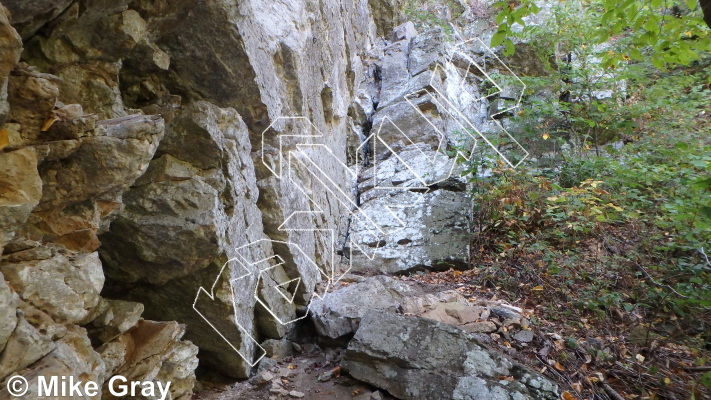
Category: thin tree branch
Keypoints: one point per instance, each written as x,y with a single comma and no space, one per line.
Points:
611,392
701,250
657,284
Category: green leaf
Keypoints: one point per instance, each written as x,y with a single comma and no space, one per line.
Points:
637,23
619,26
647,38
509,47
626,4
602,36
706,380
702,183
607,16
706,211
691,4
651,26
659,63
498,38
501,16
631,12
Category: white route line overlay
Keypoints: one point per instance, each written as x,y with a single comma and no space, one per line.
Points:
301,156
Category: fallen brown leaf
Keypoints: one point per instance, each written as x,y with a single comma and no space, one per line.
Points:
567,396
48,123
4,138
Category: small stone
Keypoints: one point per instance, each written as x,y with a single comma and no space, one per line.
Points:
297,348
310,348
296,394
505,313
266,363
479,327
464,314
326,376
524,336
263,378
594,343
485,313
376,395
278,349
405,31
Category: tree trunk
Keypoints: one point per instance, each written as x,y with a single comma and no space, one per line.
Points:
706,8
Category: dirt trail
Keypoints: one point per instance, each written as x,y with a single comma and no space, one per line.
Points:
293,376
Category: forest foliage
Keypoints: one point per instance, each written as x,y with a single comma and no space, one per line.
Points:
620,233
611,237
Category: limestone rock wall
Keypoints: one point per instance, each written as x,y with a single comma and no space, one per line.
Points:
134,171
426,107
63,174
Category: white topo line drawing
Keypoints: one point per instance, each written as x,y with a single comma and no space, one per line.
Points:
301,151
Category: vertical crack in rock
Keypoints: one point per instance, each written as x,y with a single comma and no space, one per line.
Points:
432,232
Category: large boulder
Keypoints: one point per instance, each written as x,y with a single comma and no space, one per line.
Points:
34,336
30,15
71,356
153,351
418,359
431,233
65,286
339,313
83,180
201,191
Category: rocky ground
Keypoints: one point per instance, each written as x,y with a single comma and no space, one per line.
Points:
311,372
411,331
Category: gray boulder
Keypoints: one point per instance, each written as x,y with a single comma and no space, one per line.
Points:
339,313
418,359
431,234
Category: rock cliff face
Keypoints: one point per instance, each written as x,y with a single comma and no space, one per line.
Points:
63,173
181,175
133,165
